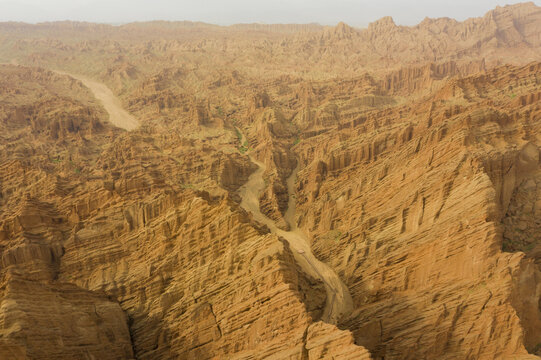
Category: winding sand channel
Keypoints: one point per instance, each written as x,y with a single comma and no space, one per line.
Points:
338,298
117,115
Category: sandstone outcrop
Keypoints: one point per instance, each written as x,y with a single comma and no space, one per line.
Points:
193,191
474,156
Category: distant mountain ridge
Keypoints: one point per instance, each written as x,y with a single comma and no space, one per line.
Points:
506,34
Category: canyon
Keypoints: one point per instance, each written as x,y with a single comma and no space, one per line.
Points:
178,190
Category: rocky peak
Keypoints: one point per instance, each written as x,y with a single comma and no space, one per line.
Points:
516,8
384,24
513,12
339,32
343,29
429,22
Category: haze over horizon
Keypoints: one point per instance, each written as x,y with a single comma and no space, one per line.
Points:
355,13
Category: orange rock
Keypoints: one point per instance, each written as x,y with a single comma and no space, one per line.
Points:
396,214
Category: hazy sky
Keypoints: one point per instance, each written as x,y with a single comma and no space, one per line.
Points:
353,12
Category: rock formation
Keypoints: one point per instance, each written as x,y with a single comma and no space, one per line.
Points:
192,191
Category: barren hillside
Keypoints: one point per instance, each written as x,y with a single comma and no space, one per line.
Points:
177,190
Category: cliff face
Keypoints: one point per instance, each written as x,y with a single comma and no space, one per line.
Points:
116,251
46,138
413,214
372,201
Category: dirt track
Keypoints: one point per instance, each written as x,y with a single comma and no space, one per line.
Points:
117,115
338,298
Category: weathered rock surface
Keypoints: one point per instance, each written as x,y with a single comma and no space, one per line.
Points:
399,165
324,342
60,321
413,213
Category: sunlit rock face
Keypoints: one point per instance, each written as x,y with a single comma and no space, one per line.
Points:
190,191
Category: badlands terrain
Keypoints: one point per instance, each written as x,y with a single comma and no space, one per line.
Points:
178,190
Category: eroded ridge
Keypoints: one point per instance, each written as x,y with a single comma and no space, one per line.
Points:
339,300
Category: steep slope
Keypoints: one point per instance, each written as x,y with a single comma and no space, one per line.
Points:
408,206
42,127
284,192
338,299
119,235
